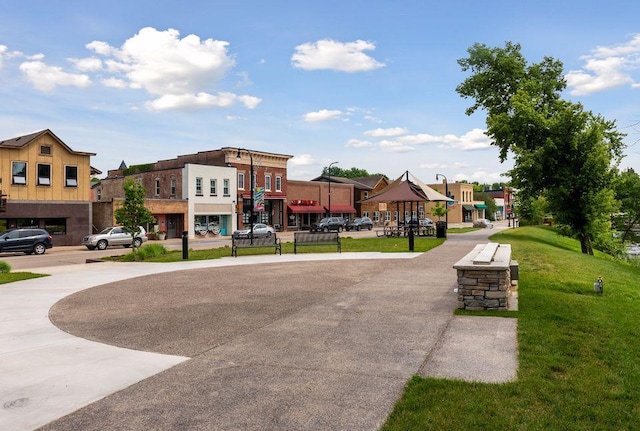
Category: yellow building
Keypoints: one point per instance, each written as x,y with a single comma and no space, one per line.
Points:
45,184
463,208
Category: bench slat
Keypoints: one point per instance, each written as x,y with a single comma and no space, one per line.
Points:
486,254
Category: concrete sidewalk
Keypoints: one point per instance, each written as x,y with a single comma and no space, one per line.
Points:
338,362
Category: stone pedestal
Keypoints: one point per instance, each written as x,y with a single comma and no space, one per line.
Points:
484,284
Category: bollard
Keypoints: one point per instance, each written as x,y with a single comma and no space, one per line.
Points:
598,286
411,239
185,245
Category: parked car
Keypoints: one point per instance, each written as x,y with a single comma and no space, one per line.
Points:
483,222
360,223
327,224
259,230
114,235
25,240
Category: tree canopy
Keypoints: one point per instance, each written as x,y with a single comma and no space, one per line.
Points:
559,149
347,173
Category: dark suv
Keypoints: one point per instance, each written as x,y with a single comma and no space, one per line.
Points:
327,224
26,240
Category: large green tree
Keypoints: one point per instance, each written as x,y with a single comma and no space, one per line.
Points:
347,173
133,213
558,148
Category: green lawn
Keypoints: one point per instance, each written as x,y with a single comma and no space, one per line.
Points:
579,352
10,277
384,245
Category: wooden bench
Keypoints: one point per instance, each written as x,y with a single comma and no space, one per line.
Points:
319,238
271,241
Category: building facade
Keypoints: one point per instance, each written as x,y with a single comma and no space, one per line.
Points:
308,202
45,184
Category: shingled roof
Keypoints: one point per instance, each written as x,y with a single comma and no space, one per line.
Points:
24,140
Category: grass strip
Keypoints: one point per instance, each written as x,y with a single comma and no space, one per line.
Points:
578,350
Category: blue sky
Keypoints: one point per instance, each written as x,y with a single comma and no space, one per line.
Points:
369,84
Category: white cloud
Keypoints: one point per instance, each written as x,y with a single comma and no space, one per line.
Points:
358,143
395,131
200,100
102,48
395,147
607,67
114,83
180,71
3,49
322,115
47,78
372,119
89,64
473,140
302,160
334,55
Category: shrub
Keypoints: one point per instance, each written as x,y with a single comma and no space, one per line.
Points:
5,268
147,251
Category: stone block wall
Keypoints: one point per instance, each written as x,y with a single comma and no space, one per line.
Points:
483,289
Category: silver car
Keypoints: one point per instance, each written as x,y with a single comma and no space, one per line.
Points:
259,230
114,235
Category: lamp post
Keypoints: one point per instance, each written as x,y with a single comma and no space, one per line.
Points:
329,173
251,186
446,193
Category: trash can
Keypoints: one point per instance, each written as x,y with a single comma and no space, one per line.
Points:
441,229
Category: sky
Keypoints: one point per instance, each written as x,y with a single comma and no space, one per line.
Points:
366,84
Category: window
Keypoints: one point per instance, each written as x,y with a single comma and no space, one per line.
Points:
56,226
71,176
365,214
366,194
198,186
99,194
376,216
157,186
387,216
240,180
213,187
45,150
19,171
225,187
44,175
395,216
173,186
267,183
278,184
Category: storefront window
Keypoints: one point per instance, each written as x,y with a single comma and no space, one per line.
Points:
56,226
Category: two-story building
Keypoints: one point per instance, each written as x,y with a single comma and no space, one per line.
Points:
202,189
46,184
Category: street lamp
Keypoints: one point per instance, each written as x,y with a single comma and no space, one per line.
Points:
329,172
251,186
446,193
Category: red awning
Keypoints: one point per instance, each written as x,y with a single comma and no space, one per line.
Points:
296,209
342,209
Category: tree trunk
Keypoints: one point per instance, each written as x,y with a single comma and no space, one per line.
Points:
585,244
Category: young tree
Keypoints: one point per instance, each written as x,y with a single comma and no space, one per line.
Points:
558,148
133,213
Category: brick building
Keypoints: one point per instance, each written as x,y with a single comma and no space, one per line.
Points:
308,202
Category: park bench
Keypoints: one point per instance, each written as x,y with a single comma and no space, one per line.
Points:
270,241
319,238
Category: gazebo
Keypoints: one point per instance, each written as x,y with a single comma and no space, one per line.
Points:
404,190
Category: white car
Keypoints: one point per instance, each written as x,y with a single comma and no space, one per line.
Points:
114,235
259,230
483,222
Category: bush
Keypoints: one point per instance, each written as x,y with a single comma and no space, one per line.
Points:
5,268
147,251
